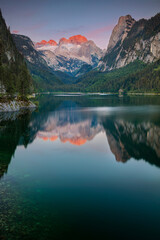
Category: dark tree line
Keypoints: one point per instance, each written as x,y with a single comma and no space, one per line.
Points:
14,75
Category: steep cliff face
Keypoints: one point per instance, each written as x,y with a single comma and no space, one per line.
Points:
26,48
120,31
44,78
59,63
131,40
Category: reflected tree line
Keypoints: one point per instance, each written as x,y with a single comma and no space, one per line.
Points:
128,136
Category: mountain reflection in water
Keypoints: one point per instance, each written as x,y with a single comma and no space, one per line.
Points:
130,134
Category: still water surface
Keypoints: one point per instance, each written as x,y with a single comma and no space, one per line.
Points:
81,168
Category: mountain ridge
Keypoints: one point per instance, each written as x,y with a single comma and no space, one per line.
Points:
131,61
70,55
141,41
44,77
64,57
76,39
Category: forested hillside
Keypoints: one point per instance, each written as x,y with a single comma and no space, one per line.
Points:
135,77
14,75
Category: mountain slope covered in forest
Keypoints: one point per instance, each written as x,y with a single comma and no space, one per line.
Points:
14,75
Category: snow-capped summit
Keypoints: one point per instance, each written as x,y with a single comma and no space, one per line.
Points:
70,54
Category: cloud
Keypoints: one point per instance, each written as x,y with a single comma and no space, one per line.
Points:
15,31
99,31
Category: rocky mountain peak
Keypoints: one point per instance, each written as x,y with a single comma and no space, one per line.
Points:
52,42
123,19
120,31
77,39
71,54
133,40
63,41
44,42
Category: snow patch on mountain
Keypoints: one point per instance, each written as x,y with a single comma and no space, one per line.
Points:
70,57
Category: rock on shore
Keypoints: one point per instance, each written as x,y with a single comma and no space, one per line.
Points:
14,105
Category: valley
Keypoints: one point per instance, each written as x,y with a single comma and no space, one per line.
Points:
77,64
131,61
79,120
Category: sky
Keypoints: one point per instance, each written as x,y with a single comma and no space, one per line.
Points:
54,19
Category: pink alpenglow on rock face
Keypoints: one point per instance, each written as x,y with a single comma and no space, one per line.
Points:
69,55
44,42
63,41
52,42
77,39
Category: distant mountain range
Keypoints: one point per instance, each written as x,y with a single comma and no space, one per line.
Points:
43,76
131,61
68,56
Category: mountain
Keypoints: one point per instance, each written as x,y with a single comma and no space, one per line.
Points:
69,55
120,31
14,75
26,48
43,76
132,40
132,59
43,63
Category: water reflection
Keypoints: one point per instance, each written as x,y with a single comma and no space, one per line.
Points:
138,140
130,134
70,126
13,132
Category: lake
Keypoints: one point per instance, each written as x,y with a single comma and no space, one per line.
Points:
81,167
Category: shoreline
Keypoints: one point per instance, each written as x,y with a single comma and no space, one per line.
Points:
18,105
95,93
149,94
74,93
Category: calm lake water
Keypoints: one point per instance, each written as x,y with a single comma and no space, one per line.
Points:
84,167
